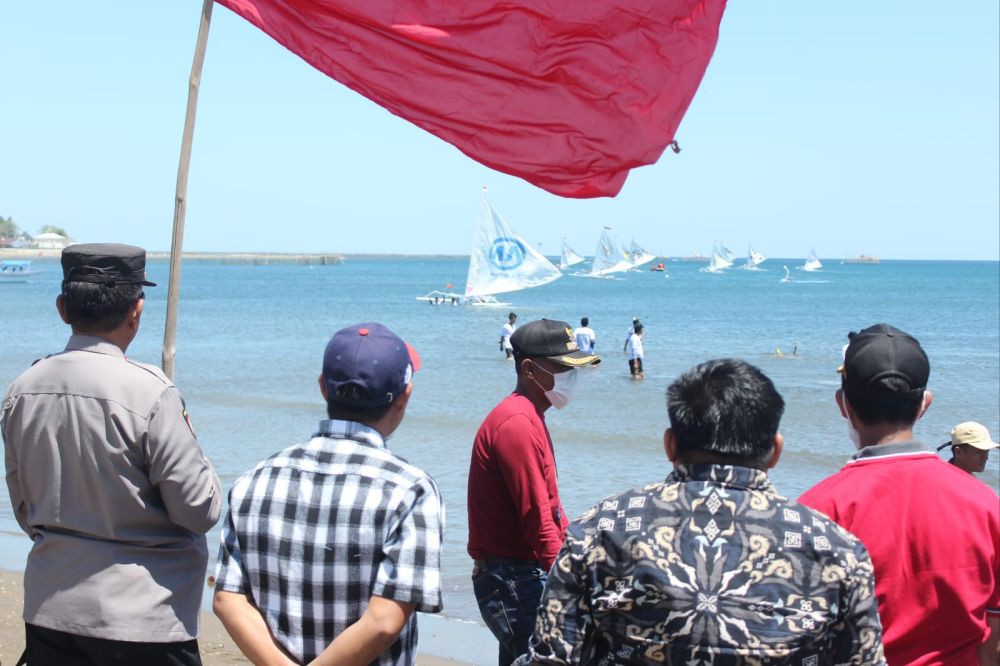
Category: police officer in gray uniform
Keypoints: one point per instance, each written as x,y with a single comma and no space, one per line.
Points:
106,477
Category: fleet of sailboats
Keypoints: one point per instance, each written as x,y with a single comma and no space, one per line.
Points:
503,262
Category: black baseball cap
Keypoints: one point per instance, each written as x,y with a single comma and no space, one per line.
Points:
105,263
881,352
553,340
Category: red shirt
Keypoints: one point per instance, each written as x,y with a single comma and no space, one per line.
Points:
514,507
932,531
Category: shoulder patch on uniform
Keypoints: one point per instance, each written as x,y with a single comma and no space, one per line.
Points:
187,419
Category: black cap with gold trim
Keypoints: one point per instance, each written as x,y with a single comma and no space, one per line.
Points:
105,263
552,339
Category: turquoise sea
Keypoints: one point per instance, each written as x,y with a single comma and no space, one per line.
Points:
251,338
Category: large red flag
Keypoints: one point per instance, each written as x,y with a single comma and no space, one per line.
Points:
566,94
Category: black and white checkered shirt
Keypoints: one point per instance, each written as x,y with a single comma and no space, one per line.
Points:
314,531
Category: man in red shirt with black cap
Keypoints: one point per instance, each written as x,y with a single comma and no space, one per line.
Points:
516,520
931,529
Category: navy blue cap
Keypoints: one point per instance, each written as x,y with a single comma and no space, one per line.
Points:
367,366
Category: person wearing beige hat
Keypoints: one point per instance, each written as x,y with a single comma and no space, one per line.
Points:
970,446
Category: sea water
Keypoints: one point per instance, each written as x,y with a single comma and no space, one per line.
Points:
250,344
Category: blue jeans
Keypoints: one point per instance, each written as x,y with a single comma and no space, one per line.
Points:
508,593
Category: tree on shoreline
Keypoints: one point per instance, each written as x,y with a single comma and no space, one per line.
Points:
50,229
8,230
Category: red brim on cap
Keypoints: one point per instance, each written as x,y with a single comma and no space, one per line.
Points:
414,356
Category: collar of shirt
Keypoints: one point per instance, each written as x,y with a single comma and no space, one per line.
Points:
730,476
358,432
892,449
92,343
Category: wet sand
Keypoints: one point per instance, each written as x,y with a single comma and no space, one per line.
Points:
217,649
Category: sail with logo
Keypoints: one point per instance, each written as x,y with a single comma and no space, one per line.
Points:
501,262
609,257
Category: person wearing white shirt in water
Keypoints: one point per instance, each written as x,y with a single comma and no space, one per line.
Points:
506,332
585,336
635,353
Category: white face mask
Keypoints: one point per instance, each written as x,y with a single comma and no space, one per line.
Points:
563,386
853,433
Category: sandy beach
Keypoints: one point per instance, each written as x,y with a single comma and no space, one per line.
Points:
217,649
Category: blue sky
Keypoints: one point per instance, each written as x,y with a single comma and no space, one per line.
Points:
847,127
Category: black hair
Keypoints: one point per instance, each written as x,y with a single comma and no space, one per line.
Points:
584,322
637,328
369,415
726,408
99,308
891,401
512,315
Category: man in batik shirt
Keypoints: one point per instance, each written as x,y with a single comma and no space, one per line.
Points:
710,566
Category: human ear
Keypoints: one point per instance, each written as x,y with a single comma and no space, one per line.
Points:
779,447
928,399
61,308
841,402
670,444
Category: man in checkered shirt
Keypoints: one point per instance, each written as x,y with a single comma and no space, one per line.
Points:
330,546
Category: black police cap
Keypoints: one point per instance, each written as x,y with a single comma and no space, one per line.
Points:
105,263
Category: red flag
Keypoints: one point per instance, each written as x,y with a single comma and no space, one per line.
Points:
566,94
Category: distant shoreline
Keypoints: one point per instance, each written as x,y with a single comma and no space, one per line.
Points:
241,257
262,258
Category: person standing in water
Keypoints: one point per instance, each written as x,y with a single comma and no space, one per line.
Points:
506,332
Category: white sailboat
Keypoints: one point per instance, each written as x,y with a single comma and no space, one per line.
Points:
718,263
638,256
812,263
501,262
754,259
569,257
608,257
727,254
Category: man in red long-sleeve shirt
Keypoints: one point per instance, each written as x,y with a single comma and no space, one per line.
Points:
516,521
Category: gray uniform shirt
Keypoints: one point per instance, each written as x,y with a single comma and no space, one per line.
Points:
106,476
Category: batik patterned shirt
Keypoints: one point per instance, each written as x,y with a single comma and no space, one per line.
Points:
317,529
711,566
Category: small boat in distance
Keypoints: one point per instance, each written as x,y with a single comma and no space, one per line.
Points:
726,253
15,270
862,259
754,259
719,262
660,267
812,263
569,257
638,256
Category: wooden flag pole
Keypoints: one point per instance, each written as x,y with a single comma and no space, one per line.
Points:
180,200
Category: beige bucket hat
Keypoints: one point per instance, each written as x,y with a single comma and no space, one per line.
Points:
973,434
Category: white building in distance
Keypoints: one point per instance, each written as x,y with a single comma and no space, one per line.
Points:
50,241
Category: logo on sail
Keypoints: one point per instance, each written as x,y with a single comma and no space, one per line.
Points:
507,253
